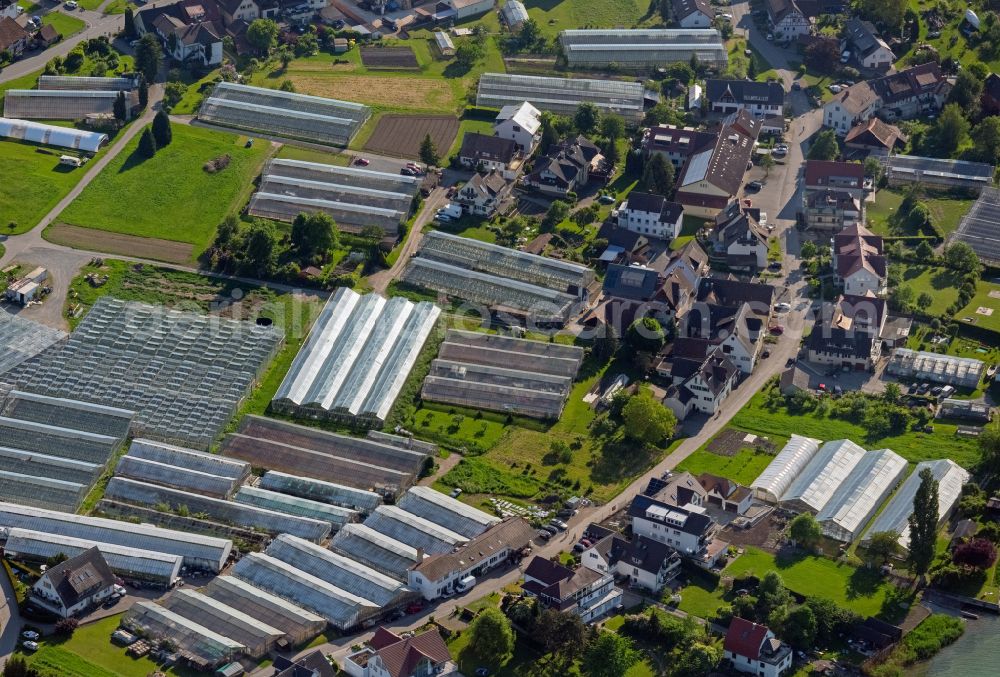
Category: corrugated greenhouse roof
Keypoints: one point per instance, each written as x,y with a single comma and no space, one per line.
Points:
188,458
444,510
294,505
861,493
318,490
779,474
257,599
176,477
380,552
194,605
828,469
416,531
182,632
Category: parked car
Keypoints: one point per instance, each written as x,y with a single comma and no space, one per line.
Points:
406,171
783,307
766,354
835,89
551,529
362,162
559,524
579,547
72,4
755,185
770,37
455,493
544,535
790,361
796,86
607,199
29,634
774,265
415,608
30,646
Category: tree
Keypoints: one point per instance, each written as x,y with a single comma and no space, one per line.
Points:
923,523
978,553
612,128
966,92
884,545
428,152
697,660
647,420
962,258
606,343
161,129
314,234
805,531
66,626
888,12
919,217
148,56
550,135
771,594
557,213
924,301
130,23
989,451
121,108
468,53
822,56
147,144
143,92
924,251
646,335
262,34
260,246
808,249
658,175
767,162
587,118
824,147
610,655
17,666
565,635
800,628
986,139
490,636
530,34
901,298
951,129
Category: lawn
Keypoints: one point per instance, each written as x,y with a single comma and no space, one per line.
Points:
689,229
743,467
913,446
63,23
982,299
310,155
946,211
33,183
941,283
170,196
554,16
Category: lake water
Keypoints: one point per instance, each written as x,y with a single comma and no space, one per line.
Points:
976,653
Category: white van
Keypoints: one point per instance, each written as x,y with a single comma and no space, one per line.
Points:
465,584
70,161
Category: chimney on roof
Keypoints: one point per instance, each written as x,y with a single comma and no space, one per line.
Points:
420,555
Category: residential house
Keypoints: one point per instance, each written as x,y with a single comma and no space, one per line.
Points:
726,494
588,593
678,489
737,330
691,261
740,242
688,529
191,32
713,177
521,124
760,98
75,584
13,38
652,215
485,153
692,13
834,195
787,21
566,167
313,664
866,46
859,262
899,96
733,293
844,176
676,144
643,562
874,137
753,649
847,333
635,283
624,246
47,35
483,194
705,388
238,10
850,106
387,654
10,9
991,95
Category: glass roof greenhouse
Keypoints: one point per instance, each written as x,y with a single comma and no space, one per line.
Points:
190,459
64,442
257,637
297,623
357,357
152,620
293,505
562,96
51,135
114,84
642,49
378,551
816,484
415,531
42,492
65,413
175,477
959,372
22,339
894,517
444,510
54,467
318,490
779,474
54,104
860,494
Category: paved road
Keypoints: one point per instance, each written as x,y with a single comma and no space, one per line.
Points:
10,620
380,280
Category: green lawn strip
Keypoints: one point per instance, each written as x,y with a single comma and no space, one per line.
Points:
191,101
118,7
90,4
941,283
290,152
64,24
702,596
982,299
169,196
946,210
743,467
468,126
553,16
689,228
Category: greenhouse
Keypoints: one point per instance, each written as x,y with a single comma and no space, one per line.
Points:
415,531
39,104
73,414
175,477
855,501
199,552
295,622
42,492
293,505
56,441
542,304
342,609
958,372
562,96
819,480
257,637
376,550
53,467
895,516
131,564
446,511
779,474
318,490
357,357
506,262
213,464
227,512
283,114
115,84
192,639
182,373
22,339
501,350
642,49
339,571
52,135
492,388
514,14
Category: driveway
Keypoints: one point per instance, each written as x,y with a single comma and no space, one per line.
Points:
10,619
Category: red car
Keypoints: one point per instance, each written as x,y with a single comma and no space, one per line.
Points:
363,162
777,329
414,608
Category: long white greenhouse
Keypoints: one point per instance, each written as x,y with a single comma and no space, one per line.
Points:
858,497
52,135
149,619
779,474
175,477
375,549
256,636
895,516
201,552
213,464
444,510
357,357
293,505
131,564
415,531
57,104
298,624
642,49
339,571
816,484
562,96
272,112
341,609
318,490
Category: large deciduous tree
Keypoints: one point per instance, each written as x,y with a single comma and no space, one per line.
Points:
647,420
262,34
587,118
610,655
314,234
490,636
148,56
805,531
824,147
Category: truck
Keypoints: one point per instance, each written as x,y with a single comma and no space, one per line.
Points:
465,584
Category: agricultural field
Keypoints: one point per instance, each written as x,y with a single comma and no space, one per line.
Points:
170,196
946,211
401,135
388,57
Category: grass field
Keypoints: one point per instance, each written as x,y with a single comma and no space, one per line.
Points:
982,299
554,16
63,23
941,283
309,155
170,196
33,183
743,467
913,446
946,211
